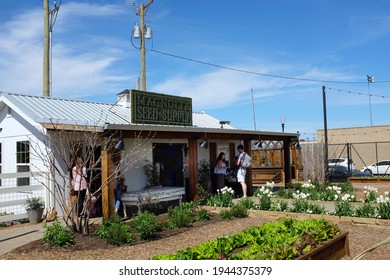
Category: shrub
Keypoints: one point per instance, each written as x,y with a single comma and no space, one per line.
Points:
226,214
115,232
180,216
58,236
118,234
146,224
203,215
248,202
239,210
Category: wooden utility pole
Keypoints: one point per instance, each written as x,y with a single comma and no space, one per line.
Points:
143,62
46,49
141,13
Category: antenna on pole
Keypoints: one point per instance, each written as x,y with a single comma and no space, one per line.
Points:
253,109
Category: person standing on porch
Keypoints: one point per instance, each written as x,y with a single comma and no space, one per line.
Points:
79,176
119,186
220,170
241,172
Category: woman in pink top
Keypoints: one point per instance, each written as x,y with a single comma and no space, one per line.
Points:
79,177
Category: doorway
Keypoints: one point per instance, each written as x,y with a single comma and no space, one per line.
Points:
168,159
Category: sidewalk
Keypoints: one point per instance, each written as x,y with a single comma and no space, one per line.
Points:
16,236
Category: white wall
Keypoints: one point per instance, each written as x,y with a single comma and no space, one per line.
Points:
14,129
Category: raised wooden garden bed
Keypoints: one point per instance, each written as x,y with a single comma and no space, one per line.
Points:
333,249
369,180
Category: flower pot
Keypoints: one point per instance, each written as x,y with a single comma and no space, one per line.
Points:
35,215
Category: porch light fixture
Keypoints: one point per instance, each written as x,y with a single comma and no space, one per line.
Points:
204,144
120,145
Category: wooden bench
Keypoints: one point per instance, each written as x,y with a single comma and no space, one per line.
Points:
158,194
261,176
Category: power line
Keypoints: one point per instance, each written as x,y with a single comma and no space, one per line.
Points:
358,93
261,74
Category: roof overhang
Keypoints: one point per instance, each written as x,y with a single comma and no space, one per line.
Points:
200,132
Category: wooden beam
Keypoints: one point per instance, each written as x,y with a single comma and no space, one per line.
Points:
107,185
287,163
193,166
213,162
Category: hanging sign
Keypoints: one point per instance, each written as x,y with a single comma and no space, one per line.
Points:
157,108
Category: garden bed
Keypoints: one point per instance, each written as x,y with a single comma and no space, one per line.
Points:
369,180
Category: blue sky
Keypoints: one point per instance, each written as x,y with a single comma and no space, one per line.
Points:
226,49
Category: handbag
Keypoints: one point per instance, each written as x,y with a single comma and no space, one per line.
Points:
72,193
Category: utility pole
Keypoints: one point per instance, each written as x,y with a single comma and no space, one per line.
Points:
49,17
46,49
141,12
370,79
325,135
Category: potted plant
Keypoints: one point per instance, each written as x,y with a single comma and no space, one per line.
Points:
34,209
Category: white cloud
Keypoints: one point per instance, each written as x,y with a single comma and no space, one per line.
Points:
74,74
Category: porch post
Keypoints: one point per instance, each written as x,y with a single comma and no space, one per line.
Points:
287,163
107,185
193,167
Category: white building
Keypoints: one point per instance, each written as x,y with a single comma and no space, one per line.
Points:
26,123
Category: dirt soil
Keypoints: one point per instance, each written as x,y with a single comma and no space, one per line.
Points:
92,247
361,237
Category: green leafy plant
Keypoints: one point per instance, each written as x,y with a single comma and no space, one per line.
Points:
248,202
284,239
58,235
367,210
119,234
146,224
370,194
223,198
115,232
281,206
344,208
226,214
239,210
34,203
203,215
384,210
180,216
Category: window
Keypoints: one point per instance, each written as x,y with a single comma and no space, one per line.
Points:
23,161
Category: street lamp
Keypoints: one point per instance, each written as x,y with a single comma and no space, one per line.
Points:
282,122
143,32
370,79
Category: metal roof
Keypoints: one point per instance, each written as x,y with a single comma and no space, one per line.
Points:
46,110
